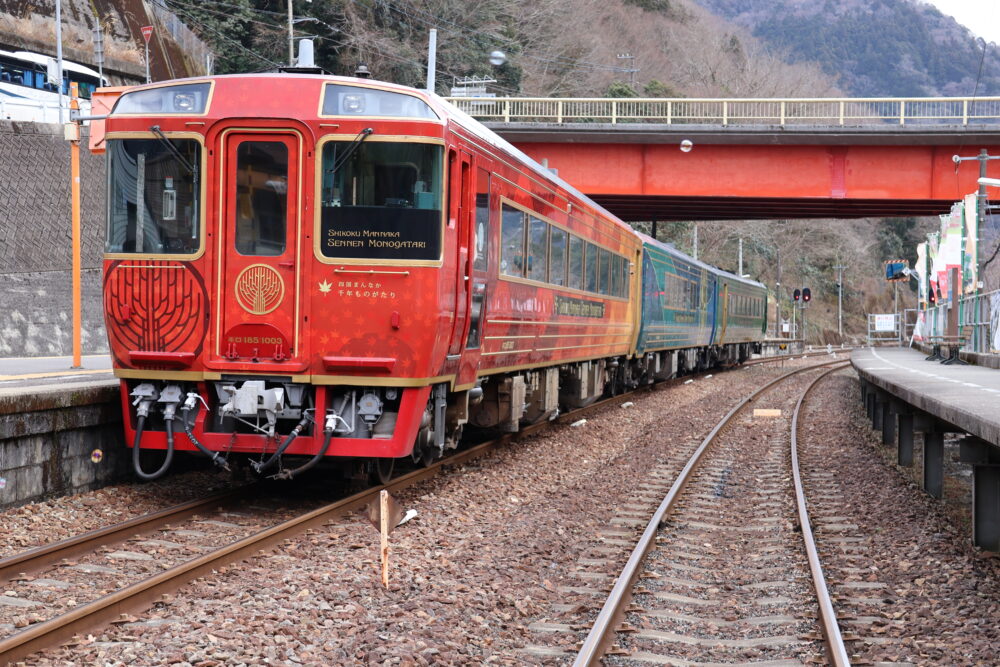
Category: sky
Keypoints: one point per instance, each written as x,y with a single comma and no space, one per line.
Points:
982,17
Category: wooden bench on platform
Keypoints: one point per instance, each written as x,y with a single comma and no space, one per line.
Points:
952,343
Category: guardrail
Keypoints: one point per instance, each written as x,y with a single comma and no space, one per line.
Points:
710,111
35,111
978,318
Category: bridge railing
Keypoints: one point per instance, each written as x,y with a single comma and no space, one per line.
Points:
790,111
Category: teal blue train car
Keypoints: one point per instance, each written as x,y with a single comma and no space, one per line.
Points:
694,316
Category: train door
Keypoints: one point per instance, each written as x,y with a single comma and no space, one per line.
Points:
481,244
259,253
460,178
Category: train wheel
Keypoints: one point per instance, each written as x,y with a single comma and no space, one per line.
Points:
428,455
380,470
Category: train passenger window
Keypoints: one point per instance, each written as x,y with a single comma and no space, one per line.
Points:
575,262
615,275
481,259
592,271
626,269
261,197
512,241
153,196
602,271
557,257
538,250
381,200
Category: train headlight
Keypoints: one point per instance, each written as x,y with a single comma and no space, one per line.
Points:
354,103
188,98
184,102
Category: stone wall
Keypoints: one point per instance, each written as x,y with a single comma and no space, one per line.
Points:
48,440
35,243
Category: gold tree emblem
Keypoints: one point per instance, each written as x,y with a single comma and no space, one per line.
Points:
259,289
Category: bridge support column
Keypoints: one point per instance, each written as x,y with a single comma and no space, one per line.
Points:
888,421
904,438
934,463
877,410
985,460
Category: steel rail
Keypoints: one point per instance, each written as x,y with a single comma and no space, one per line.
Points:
801,355
612,612
137,597
141,595
33,560
835,649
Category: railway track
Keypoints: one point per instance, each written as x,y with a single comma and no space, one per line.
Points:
125,568
719,573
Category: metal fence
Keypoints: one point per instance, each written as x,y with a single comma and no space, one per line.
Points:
791,111
978,319
37,111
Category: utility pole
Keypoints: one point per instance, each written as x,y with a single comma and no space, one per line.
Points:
694,244
741,259
432,45
777,296
291,37
653,230
59,58
983,158
631,69
840,298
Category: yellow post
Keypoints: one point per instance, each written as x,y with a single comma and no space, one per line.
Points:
74,152
384,528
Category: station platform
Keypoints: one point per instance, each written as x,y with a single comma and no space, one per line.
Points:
905,394
32,371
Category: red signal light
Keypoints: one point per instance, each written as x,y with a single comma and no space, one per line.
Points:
806,294
795,294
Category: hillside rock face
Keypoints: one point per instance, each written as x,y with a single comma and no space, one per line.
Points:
876,47
175,52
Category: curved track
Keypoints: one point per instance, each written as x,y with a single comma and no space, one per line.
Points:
241,541
754,542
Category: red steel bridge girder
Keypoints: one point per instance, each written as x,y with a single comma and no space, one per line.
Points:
719,181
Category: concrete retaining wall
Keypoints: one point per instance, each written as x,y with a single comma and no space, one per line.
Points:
35,243
47,438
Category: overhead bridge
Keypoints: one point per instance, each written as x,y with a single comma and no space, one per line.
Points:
758,158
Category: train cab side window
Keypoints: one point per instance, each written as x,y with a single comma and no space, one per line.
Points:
261,197
592,268
539,250
481,260
512,241
575,262
153,196
557,257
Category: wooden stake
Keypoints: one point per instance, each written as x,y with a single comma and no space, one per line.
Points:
383,499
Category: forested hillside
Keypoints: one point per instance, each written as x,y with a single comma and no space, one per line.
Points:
554,47
873,47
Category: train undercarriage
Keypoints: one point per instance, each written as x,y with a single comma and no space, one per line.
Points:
265,422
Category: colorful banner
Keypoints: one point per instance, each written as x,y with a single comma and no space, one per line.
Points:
970,264
921,270
933,241
949,255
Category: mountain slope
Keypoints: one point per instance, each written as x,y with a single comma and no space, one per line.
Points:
875,47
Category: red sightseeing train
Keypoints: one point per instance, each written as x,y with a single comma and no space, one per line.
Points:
316,266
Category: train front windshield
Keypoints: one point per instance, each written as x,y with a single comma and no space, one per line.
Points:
381,200
153,196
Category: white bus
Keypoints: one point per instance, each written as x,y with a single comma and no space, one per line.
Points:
27,94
